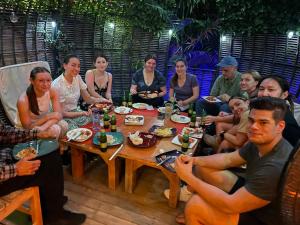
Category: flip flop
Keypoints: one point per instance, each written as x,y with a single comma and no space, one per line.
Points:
180,218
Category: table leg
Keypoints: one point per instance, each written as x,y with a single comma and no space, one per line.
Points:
77,163
130,175
174,182
113,173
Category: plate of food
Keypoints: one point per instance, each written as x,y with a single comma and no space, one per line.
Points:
177,140
162,131
123,110
102,106
167,159
134,120
180,118
148,94
140,105
113,138
79,134
211,99
142,139
193,132
163,110
39,147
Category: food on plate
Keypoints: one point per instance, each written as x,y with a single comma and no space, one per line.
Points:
163,131
102,105
123,110
134,119
148,94
180,138
26,152
135,138
211,98
140,105
189,130
110,139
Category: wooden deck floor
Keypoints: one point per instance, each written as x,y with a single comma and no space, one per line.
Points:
146,205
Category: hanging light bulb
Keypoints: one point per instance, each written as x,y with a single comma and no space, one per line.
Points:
13,17
290,34
223,38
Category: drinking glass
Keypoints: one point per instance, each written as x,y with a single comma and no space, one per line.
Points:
168,110
96,120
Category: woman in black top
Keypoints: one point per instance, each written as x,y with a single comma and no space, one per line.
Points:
148,85
99,82
278,87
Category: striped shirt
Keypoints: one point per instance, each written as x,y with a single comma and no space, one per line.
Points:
8,136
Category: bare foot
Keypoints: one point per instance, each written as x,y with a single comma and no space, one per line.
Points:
180,218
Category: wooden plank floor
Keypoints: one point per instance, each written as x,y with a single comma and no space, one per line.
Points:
147,205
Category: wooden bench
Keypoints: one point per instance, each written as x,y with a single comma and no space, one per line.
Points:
15,201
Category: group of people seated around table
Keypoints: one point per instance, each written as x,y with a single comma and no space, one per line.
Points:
256,132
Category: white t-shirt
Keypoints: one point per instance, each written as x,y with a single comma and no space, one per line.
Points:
69,93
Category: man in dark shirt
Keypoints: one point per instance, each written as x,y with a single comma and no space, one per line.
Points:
220,196
44,172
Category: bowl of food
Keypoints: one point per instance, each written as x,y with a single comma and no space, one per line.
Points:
102,106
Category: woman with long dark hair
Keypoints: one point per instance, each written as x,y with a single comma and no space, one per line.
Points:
70,87
184,87
38,107
148,85
278,87
98,80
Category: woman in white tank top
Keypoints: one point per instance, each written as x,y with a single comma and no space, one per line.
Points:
39,107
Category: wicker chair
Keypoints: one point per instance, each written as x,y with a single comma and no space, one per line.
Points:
290,198
15,201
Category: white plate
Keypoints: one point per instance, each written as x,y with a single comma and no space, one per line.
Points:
123,110
215,100
162,109
140,105
134,120
176,141
84,134
193,132
180,119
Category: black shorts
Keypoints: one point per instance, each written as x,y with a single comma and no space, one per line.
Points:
238,184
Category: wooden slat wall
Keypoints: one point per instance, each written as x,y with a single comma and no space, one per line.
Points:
268,54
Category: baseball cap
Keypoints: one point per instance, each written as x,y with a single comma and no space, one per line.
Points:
228,61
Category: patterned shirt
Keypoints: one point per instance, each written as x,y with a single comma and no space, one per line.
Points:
8,136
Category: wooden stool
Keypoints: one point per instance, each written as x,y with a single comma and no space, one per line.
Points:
15,200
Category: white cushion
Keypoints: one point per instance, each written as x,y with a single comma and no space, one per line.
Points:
14,80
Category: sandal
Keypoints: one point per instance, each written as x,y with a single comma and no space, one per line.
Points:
180,218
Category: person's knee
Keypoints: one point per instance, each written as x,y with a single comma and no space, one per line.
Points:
192,207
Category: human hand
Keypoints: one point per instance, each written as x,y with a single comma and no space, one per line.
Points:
49,133
223,114
25,166
133,91
180,103
54,115
183,167
86,113
209,119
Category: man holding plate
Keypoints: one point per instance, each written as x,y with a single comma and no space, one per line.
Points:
225,86
44,172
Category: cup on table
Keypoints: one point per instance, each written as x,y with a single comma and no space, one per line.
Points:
168,110
96,119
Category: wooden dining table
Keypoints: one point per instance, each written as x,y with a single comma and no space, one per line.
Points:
135,157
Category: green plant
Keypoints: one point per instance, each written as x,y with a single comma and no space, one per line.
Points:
59,42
